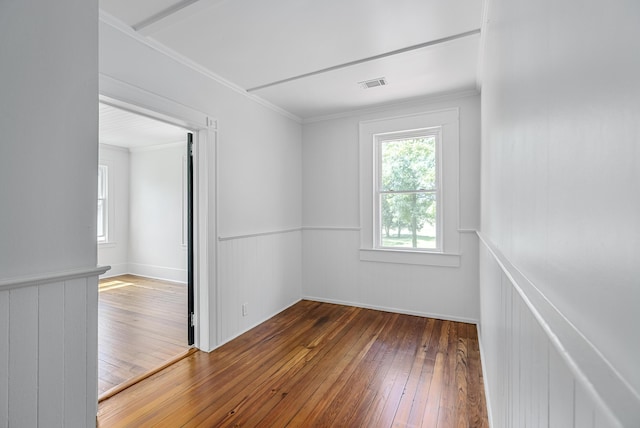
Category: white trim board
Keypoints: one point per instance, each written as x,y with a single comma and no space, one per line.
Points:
333,228
253,235
51,277
268,317
485,379
117,269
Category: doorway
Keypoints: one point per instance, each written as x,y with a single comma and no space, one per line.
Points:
127,97
145,233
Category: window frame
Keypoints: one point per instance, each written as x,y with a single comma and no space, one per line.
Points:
435,131
448,209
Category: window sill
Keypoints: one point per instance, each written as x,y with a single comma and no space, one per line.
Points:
410,257
106,244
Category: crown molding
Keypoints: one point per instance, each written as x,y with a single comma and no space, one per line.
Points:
181,59
113,147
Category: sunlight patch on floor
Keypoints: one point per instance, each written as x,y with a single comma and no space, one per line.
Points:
112,285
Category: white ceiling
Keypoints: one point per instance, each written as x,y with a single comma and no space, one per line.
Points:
130,130
321,49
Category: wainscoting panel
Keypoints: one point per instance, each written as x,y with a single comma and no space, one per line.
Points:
262,271
50,323
333,272
48,350
534,376
4,358
23,357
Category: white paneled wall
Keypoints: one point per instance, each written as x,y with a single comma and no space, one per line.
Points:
536,374
48,350
262,271
332,269
333,272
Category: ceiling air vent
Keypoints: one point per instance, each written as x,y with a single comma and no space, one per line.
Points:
368,84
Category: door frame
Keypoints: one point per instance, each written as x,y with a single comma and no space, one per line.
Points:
204,127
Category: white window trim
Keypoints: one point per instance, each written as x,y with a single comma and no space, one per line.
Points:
448,204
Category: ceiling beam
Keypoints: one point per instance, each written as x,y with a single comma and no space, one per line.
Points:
173,14
371,58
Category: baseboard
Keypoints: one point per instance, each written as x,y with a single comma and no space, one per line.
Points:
158,272
485,380
394,310
117,269
243,331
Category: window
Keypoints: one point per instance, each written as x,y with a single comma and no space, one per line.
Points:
407,190
102,203
409,196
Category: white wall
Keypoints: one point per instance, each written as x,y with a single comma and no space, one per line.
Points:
48,125
157,212
48,189
561,184
115,252
258,164
332,269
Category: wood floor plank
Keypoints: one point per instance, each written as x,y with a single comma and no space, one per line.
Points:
394,403
318,365
408,398
141,324
294,386
350,396
322,410
314,376
437,384
251,410
231,377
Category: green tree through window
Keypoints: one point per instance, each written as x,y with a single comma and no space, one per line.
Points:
407,191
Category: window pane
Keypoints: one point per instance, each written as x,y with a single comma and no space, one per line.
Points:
102,181
101,219
408,220
408,164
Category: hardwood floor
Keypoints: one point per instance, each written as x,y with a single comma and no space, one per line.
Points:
323,365
141,325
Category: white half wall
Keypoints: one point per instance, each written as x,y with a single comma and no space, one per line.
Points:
49,350
48,194
157,241
561,195
332,269
115,252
